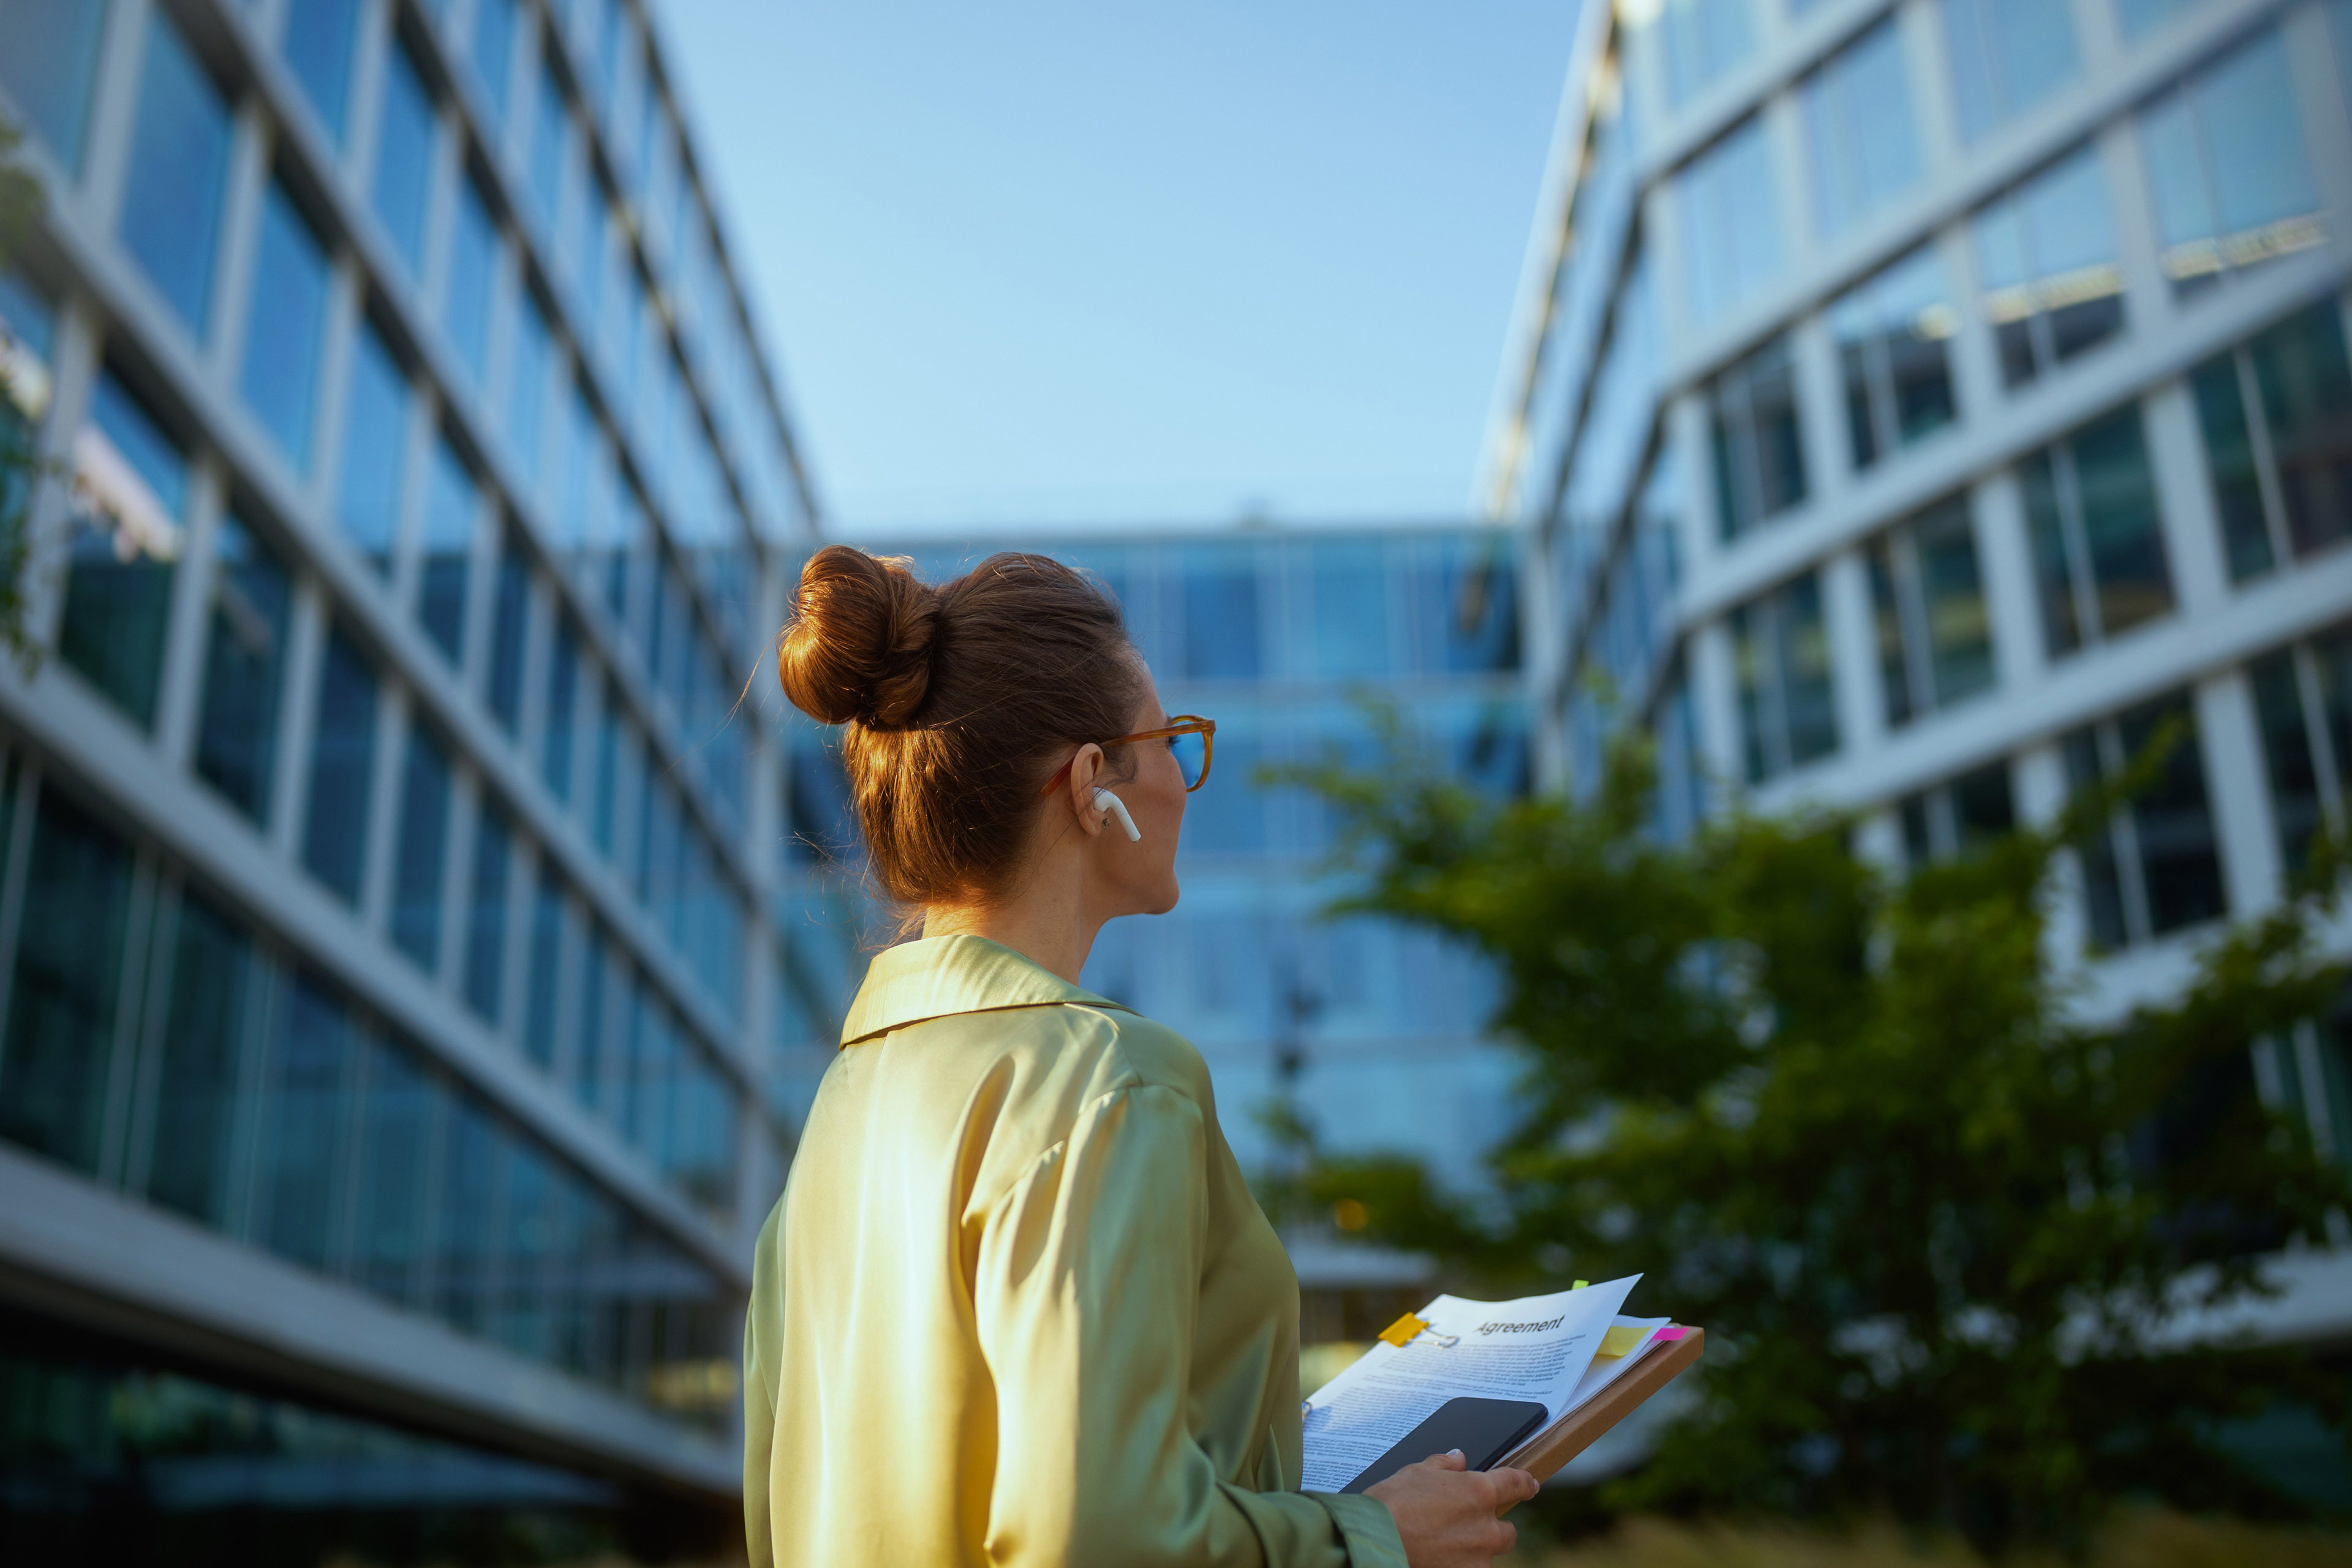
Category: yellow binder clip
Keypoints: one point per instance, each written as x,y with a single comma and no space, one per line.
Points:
1404,1331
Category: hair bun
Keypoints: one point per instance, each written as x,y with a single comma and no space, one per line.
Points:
858,646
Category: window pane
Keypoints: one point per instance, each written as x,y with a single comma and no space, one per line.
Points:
1758,451
423,851
2229,457
179,163
494,40
404,156
527,387
214,984
550,132
1220,613
1858,129
451,508
237,734
1891,332
520,1318
486,921
284,325
2227,170
1351,617
119,580
509,620
1704,38
588,1057
1982,806
303,1136
2307,388
2297,806
2180,860
2140,16
473,275
1960,632
546,969
2101,882
2054,571
2122,536
562,706
48,67
1805,671
342,765
2006,55
375,437
605,807
318,48
396,1142
1731,232
1896,677
61,1007
462,1258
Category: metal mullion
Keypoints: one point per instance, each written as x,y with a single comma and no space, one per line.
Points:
2258,430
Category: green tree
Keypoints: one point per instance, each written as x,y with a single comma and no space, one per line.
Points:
20,459
1936,1226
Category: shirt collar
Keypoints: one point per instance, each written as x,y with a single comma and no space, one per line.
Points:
941,976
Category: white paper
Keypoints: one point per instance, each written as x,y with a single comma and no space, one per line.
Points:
1604,1371
1537,1347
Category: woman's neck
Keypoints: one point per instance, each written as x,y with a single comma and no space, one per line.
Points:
1050,931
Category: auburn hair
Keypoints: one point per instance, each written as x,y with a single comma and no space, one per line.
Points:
958,702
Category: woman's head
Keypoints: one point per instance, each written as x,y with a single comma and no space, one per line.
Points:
959,702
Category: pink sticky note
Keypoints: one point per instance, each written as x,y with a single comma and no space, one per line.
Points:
1672,1332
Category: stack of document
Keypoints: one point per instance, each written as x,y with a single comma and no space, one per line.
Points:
1558,1351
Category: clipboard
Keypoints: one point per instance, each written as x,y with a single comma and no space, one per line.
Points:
1581,1428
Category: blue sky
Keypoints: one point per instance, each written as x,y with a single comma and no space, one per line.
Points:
1046,264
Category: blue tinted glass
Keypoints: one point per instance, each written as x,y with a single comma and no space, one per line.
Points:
342,765
605,807
417,872
509,620
587,253
26,314
549,134
403,157
236,734
59,1044
119,581
1228,815
284,324
1190,752
534,353
473,273
2138,17
1704,38
468,1194
1731,223
375,436
199,1080
302,1137
2253,138
588,1054
1351,619
562,705
47,66
396,1142
179,162
1220,613
494,40
1858,130
486,918
546,969
318,48
2006,55
451,506
519,1318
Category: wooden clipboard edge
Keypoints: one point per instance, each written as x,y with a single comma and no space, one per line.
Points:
1559,1443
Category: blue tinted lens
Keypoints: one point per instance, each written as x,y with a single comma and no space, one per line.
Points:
1191,751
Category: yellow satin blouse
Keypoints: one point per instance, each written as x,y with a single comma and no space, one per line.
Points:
1017,1305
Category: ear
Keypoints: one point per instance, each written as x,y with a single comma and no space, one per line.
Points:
1085,769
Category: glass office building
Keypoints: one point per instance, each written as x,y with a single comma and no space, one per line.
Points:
1913,403
385,979
1374,1032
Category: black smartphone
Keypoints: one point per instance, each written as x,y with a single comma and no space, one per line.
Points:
1484,1430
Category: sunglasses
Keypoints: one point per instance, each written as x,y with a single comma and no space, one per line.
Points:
1192,739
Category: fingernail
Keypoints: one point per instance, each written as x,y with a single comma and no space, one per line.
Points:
1456,1453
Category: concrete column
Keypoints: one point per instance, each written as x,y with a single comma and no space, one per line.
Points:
2012,599
1927,72
180,693
1820,411
2230,737
2192,532
1854,657
306,643
391,720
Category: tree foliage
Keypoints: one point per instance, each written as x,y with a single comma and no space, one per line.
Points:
1945,1234
21,465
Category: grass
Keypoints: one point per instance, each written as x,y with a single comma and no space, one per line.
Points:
2146,1539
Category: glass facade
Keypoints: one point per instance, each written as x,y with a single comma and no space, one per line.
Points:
475,795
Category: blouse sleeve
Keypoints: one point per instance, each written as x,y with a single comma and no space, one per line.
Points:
1087,1290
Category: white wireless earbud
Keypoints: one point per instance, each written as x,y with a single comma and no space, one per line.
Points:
1106,801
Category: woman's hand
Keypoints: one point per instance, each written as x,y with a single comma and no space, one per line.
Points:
1449,1514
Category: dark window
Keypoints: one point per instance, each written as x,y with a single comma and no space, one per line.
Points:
179,166
119,577
55,1058
462,1259
598,970
563,709
1220,613
1759,459
343,766
375,443
319,34
519,1318
486,917
305,1094
215,986
1891,332
2046,259
1957,816
1935,637
404,155
237,734
534,359
2277,419
48,67
2302,696
2098,543
1781,648
539,1028
509,621
284,325
423,851
604,813
2155,867
473,276
550,137
396,1142
452,511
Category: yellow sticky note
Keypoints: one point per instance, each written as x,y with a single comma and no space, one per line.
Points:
1581,1284
1619,1341
1399,1333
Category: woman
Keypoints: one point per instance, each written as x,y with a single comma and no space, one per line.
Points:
1018,1304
